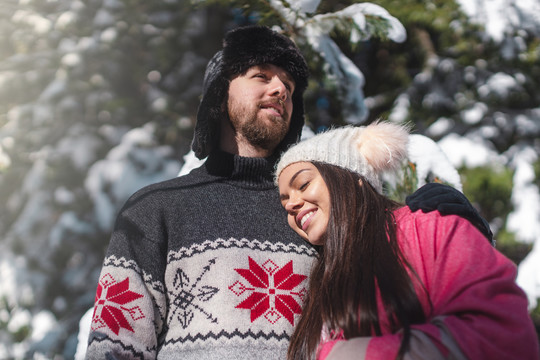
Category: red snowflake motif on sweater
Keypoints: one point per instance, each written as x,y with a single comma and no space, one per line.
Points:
271,291
109,310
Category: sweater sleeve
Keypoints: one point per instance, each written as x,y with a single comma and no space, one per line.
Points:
130,300
477,312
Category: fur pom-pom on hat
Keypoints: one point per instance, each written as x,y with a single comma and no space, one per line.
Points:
366,150
384,145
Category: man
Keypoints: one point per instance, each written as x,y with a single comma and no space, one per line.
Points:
204,266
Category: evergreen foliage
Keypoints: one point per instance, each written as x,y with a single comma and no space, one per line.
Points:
489,189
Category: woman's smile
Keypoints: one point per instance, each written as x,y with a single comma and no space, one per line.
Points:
304,216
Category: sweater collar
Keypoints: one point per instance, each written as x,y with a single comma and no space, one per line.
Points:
256,173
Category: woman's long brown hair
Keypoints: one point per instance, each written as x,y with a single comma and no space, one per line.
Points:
359,255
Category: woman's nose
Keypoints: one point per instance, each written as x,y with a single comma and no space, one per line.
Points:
294,203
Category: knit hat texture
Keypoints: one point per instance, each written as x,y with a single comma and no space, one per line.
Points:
244,48
366,150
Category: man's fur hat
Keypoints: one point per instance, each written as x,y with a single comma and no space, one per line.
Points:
243,48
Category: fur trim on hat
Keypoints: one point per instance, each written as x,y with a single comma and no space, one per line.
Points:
367,150
244,48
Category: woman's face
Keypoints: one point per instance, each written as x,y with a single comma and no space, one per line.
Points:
304,194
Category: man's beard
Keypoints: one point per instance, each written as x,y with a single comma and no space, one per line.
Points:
258,132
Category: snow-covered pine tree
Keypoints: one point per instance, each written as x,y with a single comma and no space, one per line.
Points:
96,101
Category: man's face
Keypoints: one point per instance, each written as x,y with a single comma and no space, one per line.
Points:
260,105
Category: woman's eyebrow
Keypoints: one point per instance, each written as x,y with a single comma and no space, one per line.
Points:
296,175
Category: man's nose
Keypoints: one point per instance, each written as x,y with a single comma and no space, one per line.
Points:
278,88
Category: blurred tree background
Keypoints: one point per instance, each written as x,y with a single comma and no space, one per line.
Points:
99,98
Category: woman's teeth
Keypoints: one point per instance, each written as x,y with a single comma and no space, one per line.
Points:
305,218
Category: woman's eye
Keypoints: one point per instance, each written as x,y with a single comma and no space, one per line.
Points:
304,185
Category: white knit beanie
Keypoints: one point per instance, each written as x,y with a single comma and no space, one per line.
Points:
366,150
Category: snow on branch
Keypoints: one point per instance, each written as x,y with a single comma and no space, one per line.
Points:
361,21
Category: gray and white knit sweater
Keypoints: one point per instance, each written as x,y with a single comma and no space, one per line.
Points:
202,267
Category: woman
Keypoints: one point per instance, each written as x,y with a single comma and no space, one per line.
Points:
389,282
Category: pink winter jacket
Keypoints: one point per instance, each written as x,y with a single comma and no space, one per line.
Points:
478,310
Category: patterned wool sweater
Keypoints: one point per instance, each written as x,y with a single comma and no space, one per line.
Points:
203,266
